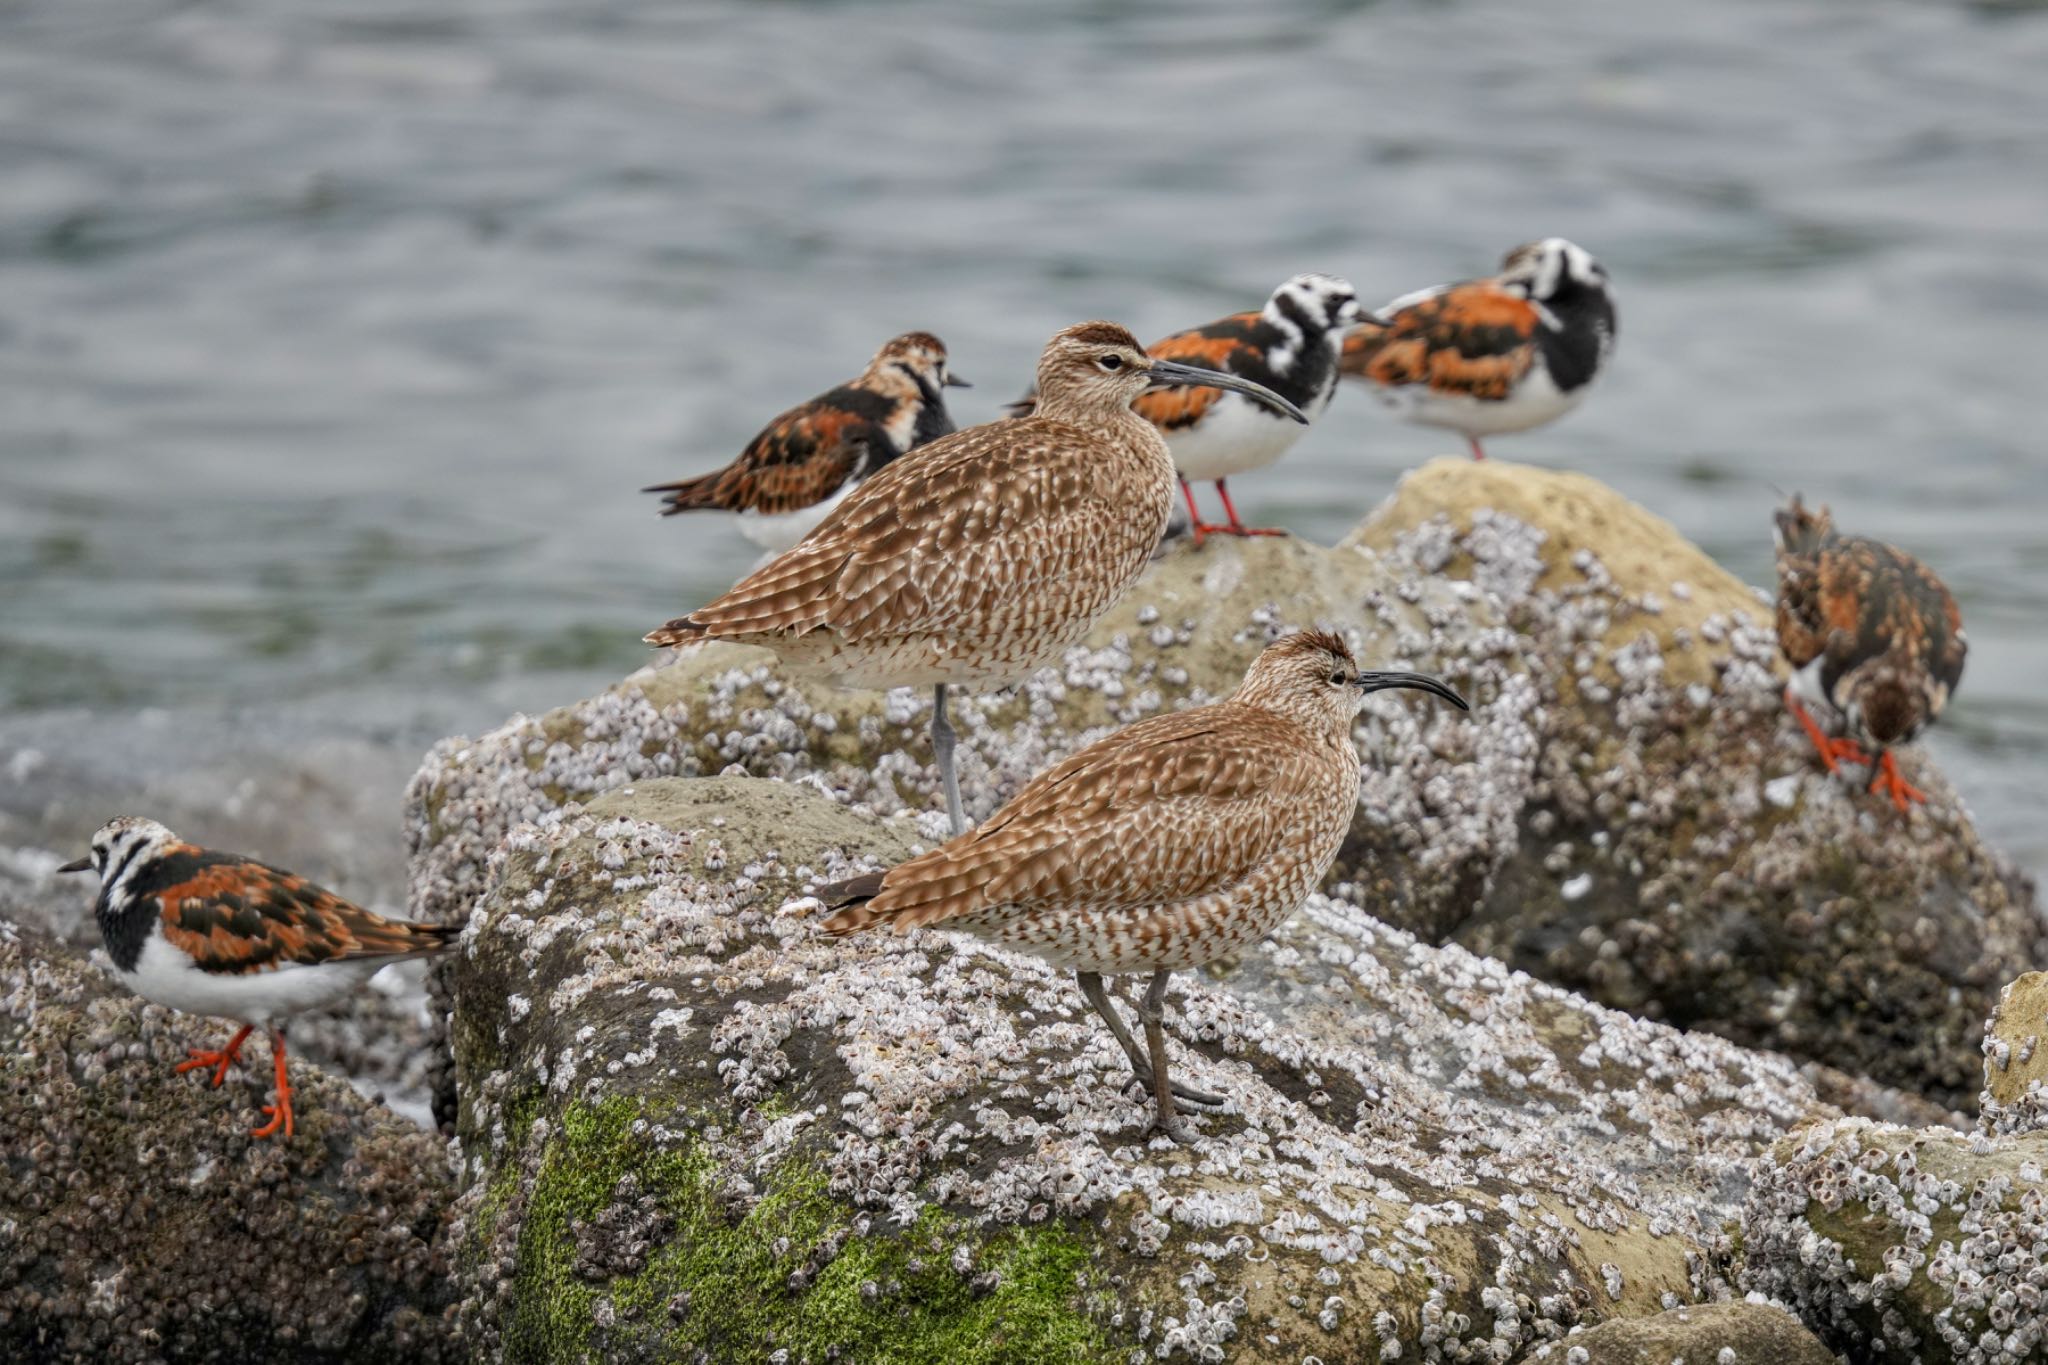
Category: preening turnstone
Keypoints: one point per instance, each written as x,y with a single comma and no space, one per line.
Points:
1289,347
1170,843
1495,355
985,554
801,464
1871,634
213,933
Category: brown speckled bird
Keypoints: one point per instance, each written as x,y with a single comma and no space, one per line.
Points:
801,464
979,557
1171,843
214,933
1871,634
1494,355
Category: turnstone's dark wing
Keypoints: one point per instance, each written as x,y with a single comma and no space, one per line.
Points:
234,915
1228,344
1475,339
800,459
1876,600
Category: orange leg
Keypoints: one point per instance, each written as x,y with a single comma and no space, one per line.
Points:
1237,527
281,1112
1902,792
1478,451
220,1060
1196,525
1833,752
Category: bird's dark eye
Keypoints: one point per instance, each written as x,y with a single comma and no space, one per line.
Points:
1337,679
1111,363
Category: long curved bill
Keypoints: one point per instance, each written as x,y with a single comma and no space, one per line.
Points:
1171,374
1420,682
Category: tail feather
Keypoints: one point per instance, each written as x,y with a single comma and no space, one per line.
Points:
689,495
848,900
681,631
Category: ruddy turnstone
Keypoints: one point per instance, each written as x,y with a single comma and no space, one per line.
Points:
1494,355
1170,843
1289,347
982,556
1871,634
214,933
801,464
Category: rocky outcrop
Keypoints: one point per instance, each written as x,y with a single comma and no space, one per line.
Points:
1625,811
140,1222
1905,1244
1705,1334
2015,1097
694,1128
1680,855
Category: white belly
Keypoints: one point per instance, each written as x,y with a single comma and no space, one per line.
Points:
1806,685
167,976
1535,401
1234,437
777,531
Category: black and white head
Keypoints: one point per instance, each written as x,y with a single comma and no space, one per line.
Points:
918,357
121,848
1552,268
1311,304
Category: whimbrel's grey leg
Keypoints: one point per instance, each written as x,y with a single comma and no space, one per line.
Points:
1153,1011
1091,987
943,740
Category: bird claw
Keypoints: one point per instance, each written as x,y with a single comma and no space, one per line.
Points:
200,1058
279,1114
1176,1128
1903,793
1834,752
1185,1094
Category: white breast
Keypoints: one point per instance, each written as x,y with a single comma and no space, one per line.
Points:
169,977
1234,436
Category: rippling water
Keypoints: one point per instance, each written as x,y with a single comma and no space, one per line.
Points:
336,337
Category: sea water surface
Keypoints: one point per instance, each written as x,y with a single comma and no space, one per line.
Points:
337,337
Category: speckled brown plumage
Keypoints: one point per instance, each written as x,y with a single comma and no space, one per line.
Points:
815,450
1171,843
1870,633
981,556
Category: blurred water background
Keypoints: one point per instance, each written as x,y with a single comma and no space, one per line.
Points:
337,335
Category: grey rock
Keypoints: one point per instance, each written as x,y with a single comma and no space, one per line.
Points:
1905,1244
1705,1334
139,1221
692,1127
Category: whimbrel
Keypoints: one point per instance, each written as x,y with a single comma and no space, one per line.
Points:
979,557
1168,844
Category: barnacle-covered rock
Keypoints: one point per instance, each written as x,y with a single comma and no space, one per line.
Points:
1905,1244
1625,810
1708,1334
694,1128
1676,852
2015,1096
139,1221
